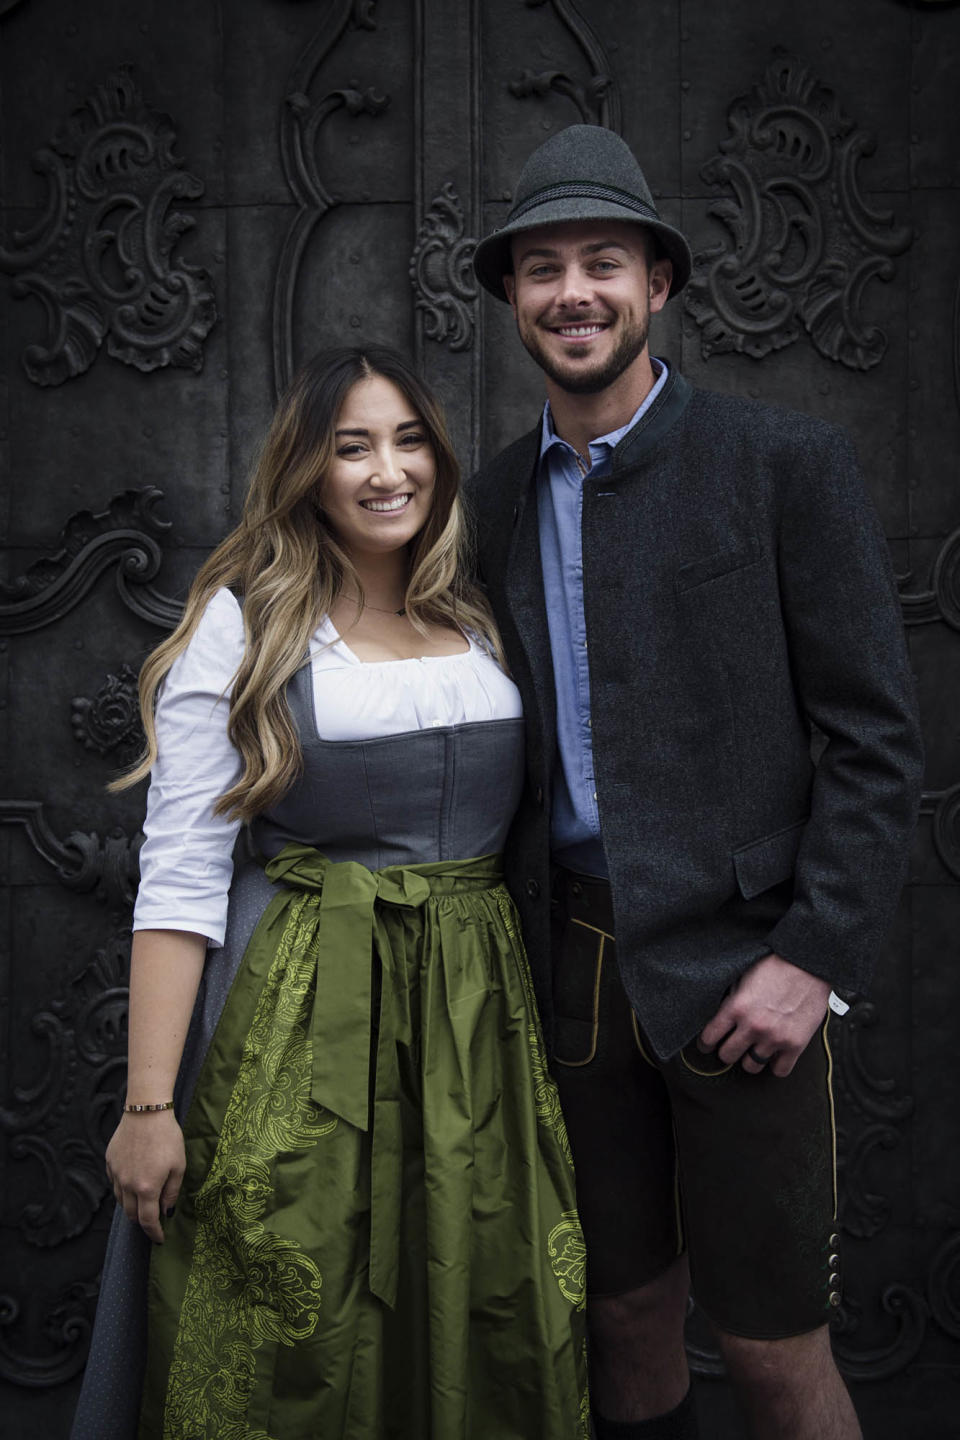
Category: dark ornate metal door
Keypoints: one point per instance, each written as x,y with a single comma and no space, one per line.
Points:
192,198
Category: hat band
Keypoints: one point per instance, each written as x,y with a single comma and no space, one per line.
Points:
583,190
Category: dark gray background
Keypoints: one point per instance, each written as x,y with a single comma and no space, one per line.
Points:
322,171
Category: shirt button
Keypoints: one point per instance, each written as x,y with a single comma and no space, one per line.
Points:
594,794
436,722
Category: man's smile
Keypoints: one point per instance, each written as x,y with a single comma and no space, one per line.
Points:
582,330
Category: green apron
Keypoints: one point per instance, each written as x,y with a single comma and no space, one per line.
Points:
377,1236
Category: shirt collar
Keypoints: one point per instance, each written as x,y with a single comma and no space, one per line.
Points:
604,444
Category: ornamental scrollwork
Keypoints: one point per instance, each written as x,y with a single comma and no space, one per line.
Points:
441,272
943,1286
302,119
864,1212
60,1123
110,868
64,1322
803,244
598,100
873,1106
587,98
909,1312
942,600
944,808
101,259
125,535
875,1096
110,722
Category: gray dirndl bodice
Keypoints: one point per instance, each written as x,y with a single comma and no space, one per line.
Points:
443,793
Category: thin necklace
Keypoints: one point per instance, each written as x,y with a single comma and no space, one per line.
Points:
379,608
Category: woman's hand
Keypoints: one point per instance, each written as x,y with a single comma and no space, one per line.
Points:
145,1165
145,1158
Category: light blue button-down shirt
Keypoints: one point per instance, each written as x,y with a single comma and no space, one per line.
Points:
575,830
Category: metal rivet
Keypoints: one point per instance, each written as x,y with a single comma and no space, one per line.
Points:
834,1298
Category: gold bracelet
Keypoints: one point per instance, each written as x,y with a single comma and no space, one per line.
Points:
138,1109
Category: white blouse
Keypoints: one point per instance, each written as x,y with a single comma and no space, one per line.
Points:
186,862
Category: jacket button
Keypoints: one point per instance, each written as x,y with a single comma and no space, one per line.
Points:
539,794
834,1298
533,889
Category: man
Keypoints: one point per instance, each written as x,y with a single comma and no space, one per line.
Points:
696,601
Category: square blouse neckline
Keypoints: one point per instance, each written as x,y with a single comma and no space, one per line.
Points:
332,637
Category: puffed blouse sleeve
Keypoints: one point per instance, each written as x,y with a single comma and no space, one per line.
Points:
186,863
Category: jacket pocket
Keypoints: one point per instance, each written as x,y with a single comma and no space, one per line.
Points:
712,567
768,861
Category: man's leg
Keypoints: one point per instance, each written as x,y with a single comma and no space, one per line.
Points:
618,1118
757,1175
790,1389
638,1366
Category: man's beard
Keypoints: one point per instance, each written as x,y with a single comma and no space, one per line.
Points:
579,379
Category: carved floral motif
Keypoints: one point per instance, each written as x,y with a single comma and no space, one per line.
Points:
110,722
803,245
100,260
441,271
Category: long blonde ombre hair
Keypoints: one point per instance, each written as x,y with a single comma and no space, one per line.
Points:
287,567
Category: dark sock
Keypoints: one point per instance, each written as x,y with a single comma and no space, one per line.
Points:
678,1424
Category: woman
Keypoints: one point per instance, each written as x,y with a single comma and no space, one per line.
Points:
376,1231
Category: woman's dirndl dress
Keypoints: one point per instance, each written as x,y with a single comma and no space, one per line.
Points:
376,1234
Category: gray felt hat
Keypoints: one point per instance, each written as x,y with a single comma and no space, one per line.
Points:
585,172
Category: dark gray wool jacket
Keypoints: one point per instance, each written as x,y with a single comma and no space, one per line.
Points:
739,599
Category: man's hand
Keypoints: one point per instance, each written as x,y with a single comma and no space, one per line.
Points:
773,1010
